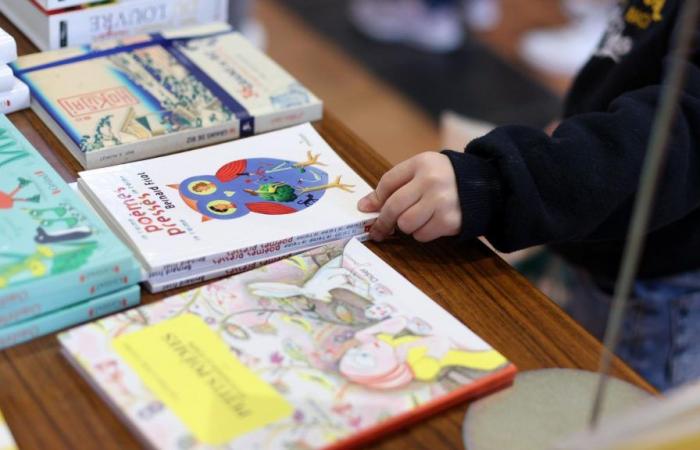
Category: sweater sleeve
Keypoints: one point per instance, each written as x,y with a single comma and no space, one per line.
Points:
520,187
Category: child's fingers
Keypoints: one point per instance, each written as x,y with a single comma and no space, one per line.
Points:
432,230
416,216
401,174
405,197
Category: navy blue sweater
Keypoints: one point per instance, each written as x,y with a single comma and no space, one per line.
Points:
575,190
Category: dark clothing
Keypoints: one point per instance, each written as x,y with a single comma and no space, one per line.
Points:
575,190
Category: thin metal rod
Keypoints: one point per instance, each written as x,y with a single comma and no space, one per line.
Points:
651,171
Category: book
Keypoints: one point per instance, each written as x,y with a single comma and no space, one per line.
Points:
231,204
7,79
71,315
327,349
8,47
52,5
83,24
7,442
116,102
14,99
51,241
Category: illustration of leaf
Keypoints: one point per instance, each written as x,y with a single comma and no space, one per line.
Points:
236,331
299,262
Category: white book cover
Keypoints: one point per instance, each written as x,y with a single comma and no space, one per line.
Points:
231,203
7,78
117,20
16,98
8,47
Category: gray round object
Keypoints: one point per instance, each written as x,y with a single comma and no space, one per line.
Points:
542,407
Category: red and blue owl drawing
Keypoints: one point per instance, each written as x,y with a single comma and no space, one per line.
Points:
259,185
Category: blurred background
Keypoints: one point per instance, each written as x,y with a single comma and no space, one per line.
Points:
415,75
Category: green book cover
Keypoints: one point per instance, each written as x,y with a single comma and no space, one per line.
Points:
54,251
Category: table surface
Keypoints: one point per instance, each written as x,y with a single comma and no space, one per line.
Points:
47,405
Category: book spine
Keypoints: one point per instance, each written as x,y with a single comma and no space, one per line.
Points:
30,299
15,99
289,117
162,145
124,19
159,286
66,317
260,252
7,79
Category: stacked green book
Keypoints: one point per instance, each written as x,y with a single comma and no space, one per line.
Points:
59,263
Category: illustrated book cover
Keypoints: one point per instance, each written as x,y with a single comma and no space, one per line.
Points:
231,204
51,241
116,102
327,349
75,25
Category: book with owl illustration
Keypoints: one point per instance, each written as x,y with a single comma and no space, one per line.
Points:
51,241
325,349
119,101
231,204
7,442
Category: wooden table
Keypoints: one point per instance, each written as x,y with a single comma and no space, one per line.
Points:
48,406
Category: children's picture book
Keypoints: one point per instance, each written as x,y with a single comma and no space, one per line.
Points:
231,204
128,100
69,316
51,241
7,442
326,349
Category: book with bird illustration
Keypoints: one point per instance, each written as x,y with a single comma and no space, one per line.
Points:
54,250
136,98
230,205
326,349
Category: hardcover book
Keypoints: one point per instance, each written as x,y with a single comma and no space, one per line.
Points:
232,204
124,101
83,24
7,442
326,349
51,241
71,315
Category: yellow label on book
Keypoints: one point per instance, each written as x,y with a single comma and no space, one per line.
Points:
192,371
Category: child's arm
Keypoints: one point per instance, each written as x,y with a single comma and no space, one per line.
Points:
420,196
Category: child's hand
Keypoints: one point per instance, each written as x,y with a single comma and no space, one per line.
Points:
419,196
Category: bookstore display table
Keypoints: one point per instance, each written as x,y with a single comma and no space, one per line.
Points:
48,405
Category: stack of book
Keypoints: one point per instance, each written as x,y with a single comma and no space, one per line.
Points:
59,263
328,349
222,209
53,24
114,102
14,94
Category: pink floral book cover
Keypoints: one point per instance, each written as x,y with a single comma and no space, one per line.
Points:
327,349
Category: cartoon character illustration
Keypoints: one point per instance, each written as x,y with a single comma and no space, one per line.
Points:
7,200
259,185
385,359
329,277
